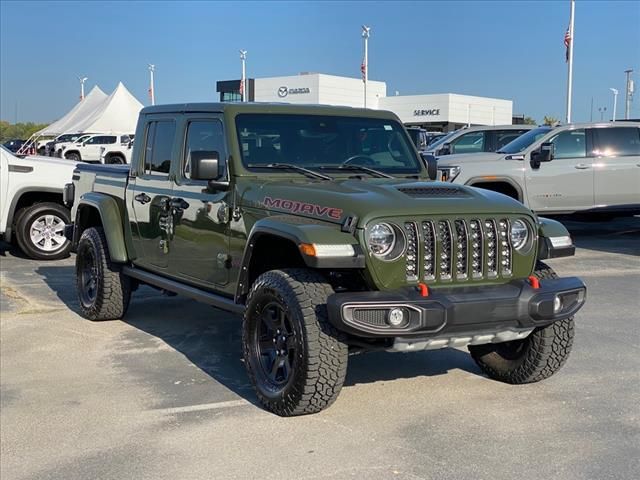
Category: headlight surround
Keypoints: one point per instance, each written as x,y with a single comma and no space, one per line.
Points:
519,234
385,241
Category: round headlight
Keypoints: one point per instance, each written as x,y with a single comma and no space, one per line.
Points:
381,239
519,234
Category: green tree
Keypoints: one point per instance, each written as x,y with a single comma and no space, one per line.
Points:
551,120
530,121
22,131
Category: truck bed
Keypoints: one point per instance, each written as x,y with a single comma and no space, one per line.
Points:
108,179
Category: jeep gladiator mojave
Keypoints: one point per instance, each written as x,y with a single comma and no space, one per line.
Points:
321,226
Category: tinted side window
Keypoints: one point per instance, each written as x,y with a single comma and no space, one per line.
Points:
124,140
506,136
159,146
614,142
203,137
570,144
109,140
93,140
471,142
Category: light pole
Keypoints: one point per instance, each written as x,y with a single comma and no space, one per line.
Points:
602,111
82,80
629,94
615,103
152,93
243,80
364,68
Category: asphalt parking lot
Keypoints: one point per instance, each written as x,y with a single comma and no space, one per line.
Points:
163,393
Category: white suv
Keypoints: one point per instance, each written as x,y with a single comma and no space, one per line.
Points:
590,168
91,149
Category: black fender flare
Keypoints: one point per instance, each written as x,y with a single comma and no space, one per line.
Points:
474,181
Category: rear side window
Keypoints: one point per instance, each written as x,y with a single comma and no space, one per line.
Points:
616,142
159,146
507,136
570,144
203,137
472,142
109,140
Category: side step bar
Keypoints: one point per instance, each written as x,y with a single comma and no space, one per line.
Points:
198,294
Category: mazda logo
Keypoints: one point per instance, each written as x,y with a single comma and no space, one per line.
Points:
282,92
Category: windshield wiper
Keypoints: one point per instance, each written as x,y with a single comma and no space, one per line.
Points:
290,166
358,168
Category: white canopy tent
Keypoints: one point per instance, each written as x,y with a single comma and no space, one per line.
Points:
118,113
79,112
97,113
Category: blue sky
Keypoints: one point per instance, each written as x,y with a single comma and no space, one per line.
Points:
501,49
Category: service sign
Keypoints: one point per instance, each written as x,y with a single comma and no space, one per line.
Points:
430,112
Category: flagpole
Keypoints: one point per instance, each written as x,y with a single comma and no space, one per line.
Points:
365,73
152,93
570,60
243,81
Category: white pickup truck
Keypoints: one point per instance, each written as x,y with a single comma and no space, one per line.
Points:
31,206
91,150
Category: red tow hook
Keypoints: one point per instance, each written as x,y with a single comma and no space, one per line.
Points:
535,283
423,289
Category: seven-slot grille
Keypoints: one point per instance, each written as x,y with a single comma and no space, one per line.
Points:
460,249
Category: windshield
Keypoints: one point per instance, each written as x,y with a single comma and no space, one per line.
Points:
315,141
441,140
524,140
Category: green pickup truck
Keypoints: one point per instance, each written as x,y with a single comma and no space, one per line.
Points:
322,227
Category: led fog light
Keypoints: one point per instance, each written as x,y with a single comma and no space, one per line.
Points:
396,317
557,304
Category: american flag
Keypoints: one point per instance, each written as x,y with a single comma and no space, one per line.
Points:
241,87
150,92
567,42
363,70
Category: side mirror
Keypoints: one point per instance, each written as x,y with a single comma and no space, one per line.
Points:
205,165
432,166
444,150
545,153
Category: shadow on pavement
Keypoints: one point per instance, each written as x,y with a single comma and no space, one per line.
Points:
619,235
211,340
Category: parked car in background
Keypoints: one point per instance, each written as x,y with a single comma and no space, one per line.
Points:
60,147
591,167
418,137
477,139
55,145
433,137
90,150
31,205
117,153
13,145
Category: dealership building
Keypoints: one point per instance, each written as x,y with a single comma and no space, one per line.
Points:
445,112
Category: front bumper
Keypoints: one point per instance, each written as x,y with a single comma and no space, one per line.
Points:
515,306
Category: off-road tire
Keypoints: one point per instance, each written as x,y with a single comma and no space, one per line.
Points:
115,160
320,352
25,220
112,288
73,156
531,359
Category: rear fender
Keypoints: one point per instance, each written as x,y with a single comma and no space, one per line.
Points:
111,220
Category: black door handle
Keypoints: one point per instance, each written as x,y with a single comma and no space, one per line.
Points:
142,198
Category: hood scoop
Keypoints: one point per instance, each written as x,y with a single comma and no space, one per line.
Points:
434,192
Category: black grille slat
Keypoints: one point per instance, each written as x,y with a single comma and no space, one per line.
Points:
491,237
429,251
445,255
504,247
476,244
433,192
462,249
412,253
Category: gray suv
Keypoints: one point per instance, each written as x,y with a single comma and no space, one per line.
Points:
591,167
477,139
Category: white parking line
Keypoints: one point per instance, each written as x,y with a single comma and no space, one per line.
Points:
201,407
